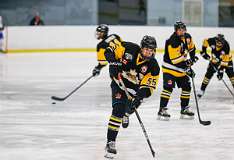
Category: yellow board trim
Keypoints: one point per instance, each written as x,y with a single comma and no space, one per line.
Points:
51,50
56,50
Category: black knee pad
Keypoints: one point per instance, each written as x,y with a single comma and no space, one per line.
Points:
170,89
186,88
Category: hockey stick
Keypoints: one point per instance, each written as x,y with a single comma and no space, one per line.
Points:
139,118
205,123
63,98
228,88
223,81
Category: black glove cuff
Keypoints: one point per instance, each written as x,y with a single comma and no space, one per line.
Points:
99,66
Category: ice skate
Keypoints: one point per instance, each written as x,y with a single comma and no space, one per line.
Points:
125,120
186,113
200,94
163,115
110,150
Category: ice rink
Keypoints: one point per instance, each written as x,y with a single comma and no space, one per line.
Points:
31,128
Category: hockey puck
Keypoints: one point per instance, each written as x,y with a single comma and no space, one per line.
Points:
53,102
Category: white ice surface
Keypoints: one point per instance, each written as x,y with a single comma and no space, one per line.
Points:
31,128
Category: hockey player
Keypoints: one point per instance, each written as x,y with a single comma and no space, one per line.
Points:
102,34
177,70
220,60
139,71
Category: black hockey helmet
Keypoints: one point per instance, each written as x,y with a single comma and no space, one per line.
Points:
148,42
103,28
220,38
179,25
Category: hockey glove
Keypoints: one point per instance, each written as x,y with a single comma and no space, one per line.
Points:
195,59
136,102
96,71
191,61
190,72
215,60
220,74
205,55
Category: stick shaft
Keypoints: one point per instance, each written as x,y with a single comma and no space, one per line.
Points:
139,119
78,87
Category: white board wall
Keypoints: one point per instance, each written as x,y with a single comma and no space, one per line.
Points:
67,37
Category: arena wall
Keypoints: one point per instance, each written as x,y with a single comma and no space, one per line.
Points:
82,38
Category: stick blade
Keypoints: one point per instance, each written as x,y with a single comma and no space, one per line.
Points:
153,154
57,98
205,123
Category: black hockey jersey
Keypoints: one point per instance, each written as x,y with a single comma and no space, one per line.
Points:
101,47
137,73
176,52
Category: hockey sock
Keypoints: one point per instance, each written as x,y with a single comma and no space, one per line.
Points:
113,128
164,97
205,82
184,97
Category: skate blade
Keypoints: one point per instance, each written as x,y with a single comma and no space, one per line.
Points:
161,118
186,117
125,125
109,156
199,98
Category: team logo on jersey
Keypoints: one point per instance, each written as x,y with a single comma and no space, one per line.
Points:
118,95
128,56
141,76
169,82
144,69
